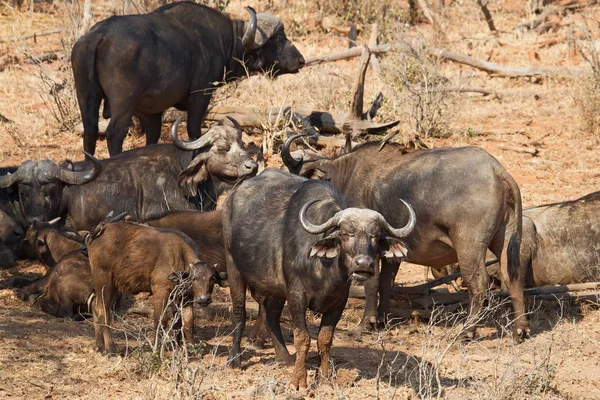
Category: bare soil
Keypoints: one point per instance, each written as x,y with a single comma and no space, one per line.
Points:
45,357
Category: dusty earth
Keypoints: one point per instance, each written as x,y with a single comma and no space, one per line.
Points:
46,357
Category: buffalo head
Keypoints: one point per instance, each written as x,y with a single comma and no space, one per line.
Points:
267,48
40,185
222,155
10,231
202,278
359,237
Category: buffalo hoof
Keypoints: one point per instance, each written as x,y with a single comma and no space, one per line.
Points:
469,335
235,362
287,360
299,380
520,334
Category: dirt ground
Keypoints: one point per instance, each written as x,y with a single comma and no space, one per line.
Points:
46,357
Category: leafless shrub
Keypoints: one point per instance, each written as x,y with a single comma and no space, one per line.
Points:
421,91
587,92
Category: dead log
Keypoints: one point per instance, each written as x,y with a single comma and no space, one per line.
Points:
356,111
354,52
373,41
486,13
29,36
528,150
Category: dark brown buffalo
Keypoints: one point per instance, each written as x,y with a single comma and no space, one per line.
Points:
465,203
49,242
129,258
294,240
11,235
175,56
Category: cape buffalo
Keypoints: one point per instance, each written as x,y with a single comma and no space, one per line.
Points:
145,182
291,239
11,235
465,202
39,187
49,242
560,244
130,258
175,56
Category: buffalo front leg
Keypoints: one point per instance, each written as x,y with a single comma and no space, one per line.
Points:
471,259
369,319
152,125
187,320
325,339
198,104
297,305
237,288
387,277
101,315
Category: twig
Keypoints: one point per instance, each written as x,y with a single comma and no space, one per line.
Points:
356,110
29,36
528,150
486,13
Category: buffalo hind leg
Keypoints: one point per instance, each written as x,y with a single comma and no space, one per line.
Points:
514,285
152,125
329,321
471,258
371,287
387,277
101,309
272,315
118,127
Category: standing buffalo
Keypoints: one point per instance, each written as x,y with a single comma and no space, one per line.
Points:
292,239
173,57
144,182
560,244
464,199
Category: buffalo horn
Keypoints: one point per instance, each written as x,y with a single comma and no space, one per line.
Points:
54,221
79,178
407,229
289,161
199,143
248,39
10,179
229,121
316,229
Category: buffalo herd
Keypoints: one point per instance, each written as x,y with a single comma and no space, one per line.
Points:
299,236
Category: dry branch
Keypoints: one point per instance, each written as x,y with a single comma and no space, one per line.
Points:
373,41
356,110
29,36
486,13
528,150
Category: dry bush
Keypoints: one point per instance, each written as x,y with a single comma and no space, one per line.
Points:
587,91
421,93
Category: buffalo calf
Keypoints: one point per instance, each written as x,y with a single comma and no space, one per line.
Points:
130,258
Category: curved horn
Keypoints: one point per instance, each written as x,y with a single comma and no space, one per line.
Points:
248,39
79,178
230,121
289,161
193,145
407,229
315,229
54,221
10,179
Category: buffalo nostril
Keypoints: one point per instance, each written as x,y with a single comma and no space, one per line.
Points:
301,60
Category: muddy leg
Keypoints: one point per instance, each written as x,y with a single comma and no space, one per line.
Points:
297,306
187,320
325,338
237,288
272,316
471,258
369,319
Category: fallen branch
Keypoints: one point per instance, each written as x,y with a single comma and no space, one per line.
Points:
528,150
29,36
356,111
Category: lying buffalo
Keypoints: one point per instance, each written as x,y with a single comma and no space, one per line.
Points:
465,202
129,258
175,56
11,235
144,182
292,239
40,187
49,242
560,244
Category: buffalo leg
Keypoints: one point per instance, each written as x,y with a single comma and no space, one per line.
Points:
198,104
471,258
389,270
325,339
187,320
152,125
371,286
297,305
272,316
515,290
34,288
237,288
101,313
259,335
117,129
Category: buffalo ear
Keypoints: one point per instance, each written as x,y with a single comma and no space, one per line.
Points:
179,276
394,248
328,247
313,173
194,174
222,279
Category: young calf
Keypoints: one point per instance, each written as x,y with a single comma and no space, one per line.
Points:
49,242
130,258
292,239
